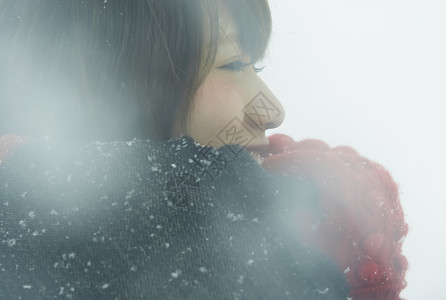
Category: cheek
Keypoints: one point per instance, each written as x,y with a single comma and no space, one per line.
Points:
218,98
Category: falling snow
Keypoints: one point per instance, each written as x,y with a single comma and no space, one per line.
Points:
176,274
235,217
11,242
323,292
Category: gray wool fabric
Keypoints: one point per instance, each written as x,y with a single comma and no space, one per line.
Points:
152,220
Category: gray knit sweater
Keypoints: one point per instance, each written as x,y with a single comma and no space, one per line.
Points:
152,220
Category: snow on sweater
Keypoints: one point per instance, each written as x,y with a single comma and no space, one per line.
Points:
150,220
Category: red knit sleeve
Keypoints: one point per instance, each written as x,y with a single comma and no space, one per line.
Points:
8,143
359,222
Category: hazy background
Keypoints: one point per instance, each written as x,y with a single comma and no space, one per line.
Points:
372,75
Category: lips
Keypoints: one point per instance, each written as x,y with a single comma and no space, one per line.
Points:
276,144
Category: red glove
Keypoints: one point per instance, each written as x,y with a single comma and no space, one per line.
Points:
358,221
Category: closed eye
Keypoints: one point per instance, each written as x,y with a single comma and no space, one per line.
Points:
238,66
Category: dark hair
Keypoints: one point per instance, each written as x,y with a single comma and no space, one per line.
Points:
113,69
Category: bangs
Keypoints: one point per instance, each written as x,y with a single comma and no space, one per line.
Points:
253,22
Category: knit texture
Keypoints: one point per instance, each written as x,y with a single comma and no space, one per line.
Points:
150,220
355,218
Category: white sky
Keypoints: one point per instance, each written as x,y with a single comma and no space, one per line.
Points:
372,75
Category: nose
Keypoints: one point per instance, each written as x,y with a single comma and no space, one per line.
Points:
264,109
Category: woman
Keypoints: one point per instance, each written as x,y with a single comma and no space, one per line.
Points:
147,212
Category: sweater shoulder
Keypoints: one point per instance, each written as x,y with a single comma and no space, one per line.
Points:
137,219
97,175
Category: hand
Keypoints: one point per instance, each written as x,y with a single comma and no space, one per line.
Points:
357,219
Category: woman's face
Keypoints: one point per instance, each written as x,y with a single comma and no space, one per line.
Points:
232,105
